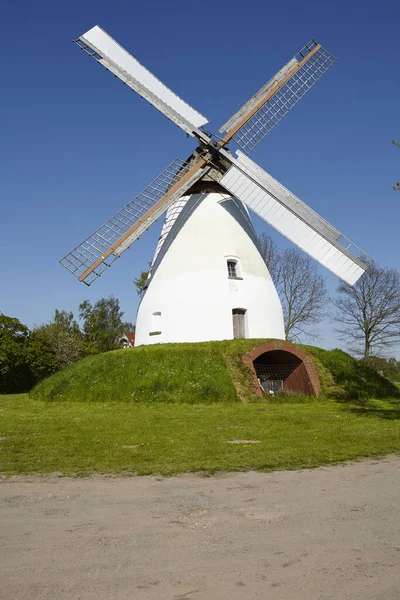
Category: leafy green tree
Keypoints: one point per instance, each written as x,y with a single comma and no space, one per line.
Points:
15,373
66,338
103,325
68,345
26,356
389,368
41,355
141,281
66,321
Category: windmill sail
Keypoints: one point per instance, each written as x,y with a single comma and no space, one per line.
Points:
103,48
271,201
95,254
277,97
239,176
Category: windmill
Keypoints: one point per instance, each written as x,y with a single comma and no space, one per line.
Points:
208,280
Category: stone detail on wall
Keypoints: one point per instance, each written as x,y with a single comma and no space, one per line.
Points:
303,379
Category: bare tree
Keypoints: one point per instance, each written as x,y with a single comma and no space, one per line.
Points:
369,312
271,255
303,294
301,289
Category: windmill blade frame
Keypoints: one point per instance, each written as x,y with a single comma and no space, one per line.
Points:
259,115
239,176
286,213
106,51
98,251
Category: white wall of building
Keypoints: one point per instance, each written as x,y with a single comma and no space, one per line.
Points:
190,297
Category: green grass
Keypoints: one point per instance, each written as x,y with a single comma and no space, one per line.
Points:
174,408
137,438
346,378
173,373
207,372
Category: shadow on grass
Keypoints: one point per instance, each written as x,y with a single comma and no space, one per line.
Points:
388,409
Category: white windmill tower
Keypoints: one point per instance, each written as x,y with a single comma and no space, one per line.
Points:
208,280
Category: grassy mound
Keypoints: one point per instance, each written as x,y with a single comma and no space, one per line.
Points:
347,378
169,373
206,372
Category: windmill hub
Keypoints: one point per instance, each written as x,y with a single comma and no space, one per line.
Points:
208,279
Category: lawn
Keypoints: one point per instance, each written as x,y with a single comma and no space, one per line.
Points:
108,437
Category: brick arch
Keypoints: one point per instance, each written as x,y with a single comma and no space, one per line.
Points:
305,371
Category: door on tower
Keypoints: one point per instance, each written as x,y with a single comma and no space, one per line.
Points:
238,318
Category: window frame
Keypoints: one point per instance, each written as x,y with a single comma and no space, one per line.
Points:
238,269
232,268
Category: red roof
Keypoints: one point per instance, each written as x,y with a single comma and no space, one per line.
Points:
131,337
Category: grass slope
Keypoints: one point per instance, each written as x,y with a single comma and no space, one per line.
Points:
114,437
206,372
344,377
179,373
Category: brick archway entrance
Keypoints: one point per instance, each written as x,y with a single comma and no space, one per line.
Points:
280,365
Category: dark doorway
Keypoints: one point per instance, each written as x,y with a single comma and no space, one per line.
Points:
239,326
280,370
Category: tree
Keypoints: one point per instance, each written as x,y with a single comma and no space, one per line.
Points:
15,374
66,321
389,368
301,289
26,356
141,281
65,337
103,325
271,255
66,344
303,294
41,356
369,312
397,184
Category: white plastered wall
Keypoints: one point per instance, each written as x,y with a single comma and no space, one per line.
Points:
190,285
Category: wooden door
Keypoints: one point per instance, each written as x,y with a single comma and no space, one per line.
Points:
239,329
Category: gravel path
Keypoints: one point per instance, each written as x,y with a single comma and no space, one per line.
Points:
327,533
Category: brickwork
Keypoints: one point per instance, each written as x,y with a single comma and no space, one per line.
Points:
304,379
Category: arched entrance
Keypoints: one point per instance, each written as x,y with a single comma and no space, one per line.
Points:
280,366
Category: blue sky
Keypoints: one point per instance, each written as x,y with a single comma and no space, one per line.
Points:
76,144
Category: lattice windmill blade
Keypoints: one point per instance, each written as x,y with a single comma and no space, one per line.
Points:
259,115
239,176
97,252
103,48
279,207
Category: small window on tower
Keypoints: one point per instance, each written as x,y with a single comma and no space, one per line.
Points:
156,324
231,268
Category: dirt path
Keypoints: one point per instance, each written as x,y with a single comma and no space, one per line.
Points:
328,533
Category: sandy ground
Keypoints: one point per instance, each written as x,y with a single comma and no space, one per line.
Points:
328,533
